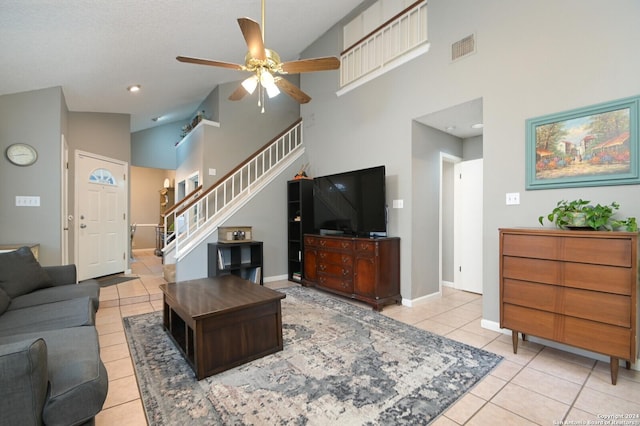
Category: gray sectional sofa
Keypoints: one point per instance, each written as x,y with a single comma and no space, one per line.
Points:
50,367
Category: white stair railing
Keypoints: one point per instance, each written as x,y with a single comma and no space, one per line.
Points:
393,39
198,218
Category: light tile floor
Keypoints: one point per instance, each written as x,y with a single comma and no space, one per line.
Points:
539,385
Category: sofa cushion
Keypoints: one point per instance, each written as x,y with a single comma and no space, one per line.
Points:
50,316
62,274
20,273
89,288
5,301
23,381
77,376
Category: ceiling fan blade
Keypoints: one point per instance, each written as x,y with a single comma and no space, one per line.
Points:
238,94
210,62
311,65
291,90
253,36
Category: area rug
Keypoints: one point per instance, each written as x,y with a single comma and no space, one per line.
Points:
113,280
341,364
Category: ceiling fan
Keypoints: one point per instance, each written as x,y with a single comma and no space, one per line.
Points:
266,66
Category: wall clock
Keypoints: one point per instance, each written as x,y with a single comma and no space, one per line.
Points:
22,154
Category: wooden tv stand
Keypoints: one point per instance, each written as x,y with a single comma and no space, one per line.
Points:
366,269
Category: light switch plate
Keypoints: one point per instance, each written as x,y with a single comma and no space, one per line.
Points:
513,198
27,201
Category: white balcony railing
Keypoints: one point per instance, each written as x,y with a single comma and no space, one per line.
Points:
397,37
199,217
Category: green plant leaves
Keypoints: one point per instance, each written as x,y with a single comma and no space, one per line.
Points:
597,217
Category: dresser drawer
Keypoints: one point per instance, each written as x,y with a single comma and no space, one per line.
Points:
337,243
340,271
601,251
366,247
602,307
609,279
577,332
310,240
344,285
336,258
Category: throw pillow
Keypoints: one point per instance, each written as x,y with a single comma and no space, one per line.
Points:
5,301
20,273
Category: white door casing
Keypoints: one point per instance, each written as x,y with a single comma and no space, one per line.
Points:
468,226
100,215
64,200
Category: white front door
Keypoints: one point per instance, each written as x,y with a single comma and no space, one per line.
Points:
101,215
467,228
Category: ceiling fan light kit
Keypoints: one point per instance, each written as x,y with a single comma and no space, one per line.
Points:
266,66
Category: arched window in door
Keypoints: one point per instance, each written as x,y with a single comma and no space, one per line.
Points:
103,177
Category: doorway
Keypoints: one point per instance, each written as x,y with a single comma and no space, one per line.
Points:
459,140
101,215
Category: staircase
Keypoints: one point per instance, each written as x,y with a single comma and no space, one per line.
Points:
196,217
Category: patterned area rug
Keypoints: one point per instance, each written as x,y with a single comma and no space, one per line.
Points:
341,364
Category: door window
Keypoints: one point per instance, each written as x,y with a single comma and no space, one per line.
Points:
103,177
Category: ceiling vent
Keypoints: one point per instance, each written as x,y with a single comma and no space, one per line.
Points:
464,47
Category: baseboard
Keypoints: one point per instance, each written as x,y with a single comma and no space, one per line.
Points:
413,302
495,326
275,278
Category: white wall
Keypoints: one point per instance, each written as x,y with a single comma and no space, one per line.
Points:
533,58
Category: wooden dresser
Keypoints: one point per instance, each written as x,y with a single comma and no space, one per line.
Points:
366,269
579,288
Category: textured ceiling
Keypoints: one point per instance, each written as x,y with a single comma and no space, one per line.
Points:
94,49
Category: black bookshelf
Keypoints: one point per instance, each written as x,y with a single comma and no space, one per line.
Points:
241,258
299,222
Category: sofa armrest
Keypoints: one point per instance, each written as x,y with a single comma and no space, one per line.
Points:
23,381
62,274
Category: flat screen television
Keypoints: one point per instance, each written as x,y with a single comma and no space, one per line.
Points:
351,203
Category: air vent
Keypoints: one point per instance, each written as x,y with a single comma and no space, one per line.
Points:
464,47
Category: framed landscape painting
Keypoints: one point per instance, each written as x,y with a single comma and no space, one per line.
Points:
590,146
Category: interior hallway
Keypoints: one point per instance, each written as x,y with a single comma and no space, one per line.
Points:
539,385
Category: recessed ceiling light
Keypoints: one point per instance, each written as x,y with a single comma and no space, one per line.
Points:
477,126
135,88
450,128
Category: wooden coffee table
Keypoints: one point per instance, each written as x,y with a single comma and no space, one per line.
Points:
222,322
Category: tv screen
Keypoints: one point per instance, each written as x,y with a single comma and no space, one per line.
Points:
351,203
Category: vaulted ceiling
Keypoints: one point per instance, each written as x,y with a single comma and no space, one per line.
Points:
95,49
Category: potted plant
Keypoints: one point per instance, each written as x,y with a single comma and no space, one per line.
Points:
581,214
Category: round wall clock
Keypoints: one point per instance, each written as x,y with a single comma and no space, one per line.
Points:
22,154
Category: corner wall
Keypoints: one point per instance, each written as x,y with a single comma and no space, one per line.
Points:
35,118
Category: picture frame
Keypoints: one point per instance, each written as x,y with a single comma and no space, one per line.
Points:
590,146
